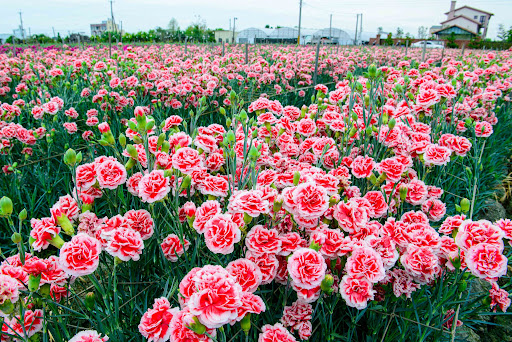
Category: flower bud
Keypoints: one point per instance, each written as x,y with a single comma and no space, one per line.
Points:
243,116
403,193
79,157
326,284
5,206
185,183
122,140
33,282
22,216
197,327
464,205
150,125
392,123
16,237
247,218
132,151
132,125
160,140
70,157
7,307
278,204
245,323
90,299
315,246
296,178
372,70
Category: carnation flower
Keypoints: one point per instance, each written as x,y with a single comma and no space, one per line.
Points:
88,336
307,268
80,256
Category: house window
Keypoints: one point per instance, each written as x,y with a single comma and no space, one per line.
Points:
482,18
476,17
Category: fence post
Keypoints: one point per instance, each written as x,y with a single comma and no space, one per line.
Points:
463,47
13,44
423,54
442,56
109,45
316,62
246,53
406,47
223,47
186,38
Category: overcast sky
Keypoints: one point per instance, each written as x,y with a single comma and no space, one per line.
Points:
76,15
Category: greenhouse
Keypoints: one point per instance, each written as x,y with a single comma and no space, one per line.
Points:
253,35
288,35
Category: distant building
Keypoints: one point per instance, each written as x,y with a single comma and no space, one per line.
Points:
105,26
465,22
225,36
289,35
17,34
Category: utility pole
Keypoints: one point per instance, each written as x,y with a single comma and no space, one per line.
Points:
330,29
361,27
121,33
234,24
21,27
53,29
357,24
112,15
230,24
300,20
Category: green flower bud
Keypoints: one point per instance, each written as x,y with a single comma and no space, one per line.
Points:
90,300
197,327
5,206
33,282
296,178
22,216
79,157
245,323
464,205
326,284
166,146
315,246
16,237
7,307
392,123
150,125
185,183
243,116
247,218
403,193
132,151
132,125
160,140
70,157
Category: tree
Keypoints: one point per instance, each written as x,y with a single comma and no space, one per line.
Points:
389,39
451,41
380,30
399,32
422,32
503,34
173,26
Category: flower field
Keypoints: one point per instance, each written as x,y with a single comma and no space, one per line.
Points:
264,193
